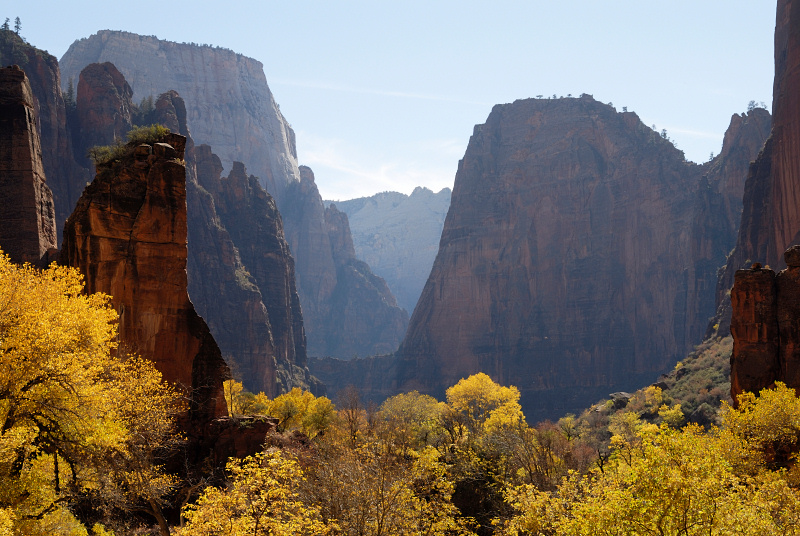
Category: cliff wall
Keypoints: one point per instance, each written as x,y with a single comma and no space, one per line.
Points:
230,107
571,263
27,216
771,215
65,177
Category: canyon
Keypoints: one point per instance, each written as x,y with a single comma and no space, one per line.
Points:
230,107
578,257
397,235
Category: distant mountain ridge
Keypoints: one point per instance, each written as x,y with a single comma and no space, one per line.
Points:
398,236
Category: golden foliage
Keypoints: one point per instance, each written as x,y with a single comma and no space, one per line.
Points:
261,499
74,418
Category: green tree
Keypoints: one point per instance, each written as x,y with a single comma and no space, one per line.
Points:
17,25
6,26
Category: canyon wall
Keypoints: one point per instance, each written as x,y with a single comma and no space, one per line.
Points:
27,216
397,235
348,310
65,177
771,215
571,263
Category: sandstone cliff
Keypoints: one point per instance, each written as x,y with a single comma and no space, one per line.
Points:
228,103
771,215
65,177
244,279
347,310
104,107
568,264
127,235
397,235
27,217
230,107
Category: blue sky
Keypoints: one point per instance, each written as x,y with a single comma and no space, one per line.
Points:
384,96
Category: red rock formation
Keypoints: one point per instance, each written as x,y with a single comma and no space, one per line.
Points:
754,361
104,106
771,215
27,217
65,177
766,327
787,285
128,237
265,338
570,262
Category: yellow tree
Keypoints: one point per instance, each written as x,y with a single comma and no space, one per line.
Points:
261,499
68,406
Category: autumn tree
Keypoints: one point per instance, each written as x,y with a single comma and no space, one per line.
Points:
261,499
72,412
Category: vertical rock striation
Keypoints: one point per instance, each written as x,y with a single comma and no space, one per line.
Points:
27,216
65,177
268,334
127,235
771,215
766,327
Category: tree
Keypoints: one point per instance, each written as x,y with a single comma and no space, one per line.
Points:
261,499
74,416
17,25
483,403
6,26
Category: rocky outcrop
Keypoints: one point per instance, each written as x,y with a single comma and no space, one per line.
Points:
127,235
256,316
65,177
347,310
771,214
27,217
230,107
228,103
397,235
104,107
568,259
766,327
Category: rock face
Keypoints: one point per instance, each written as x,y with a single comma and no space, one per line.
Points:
568,263
348,310
128,237
766,327
104,106
65,177
397,235
27,216
230,107
771,215
210,80
242,278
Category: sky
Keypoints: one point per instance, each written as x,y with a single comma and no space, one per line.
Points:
383,96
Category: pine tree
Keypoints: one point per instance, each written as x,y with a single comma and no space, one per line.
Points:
5,25
17,25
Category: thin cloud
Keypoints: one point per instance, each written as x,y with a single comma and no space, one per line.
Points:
379,92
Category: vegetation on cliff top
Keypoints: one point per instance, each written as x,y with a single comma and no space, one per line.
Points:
104,155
